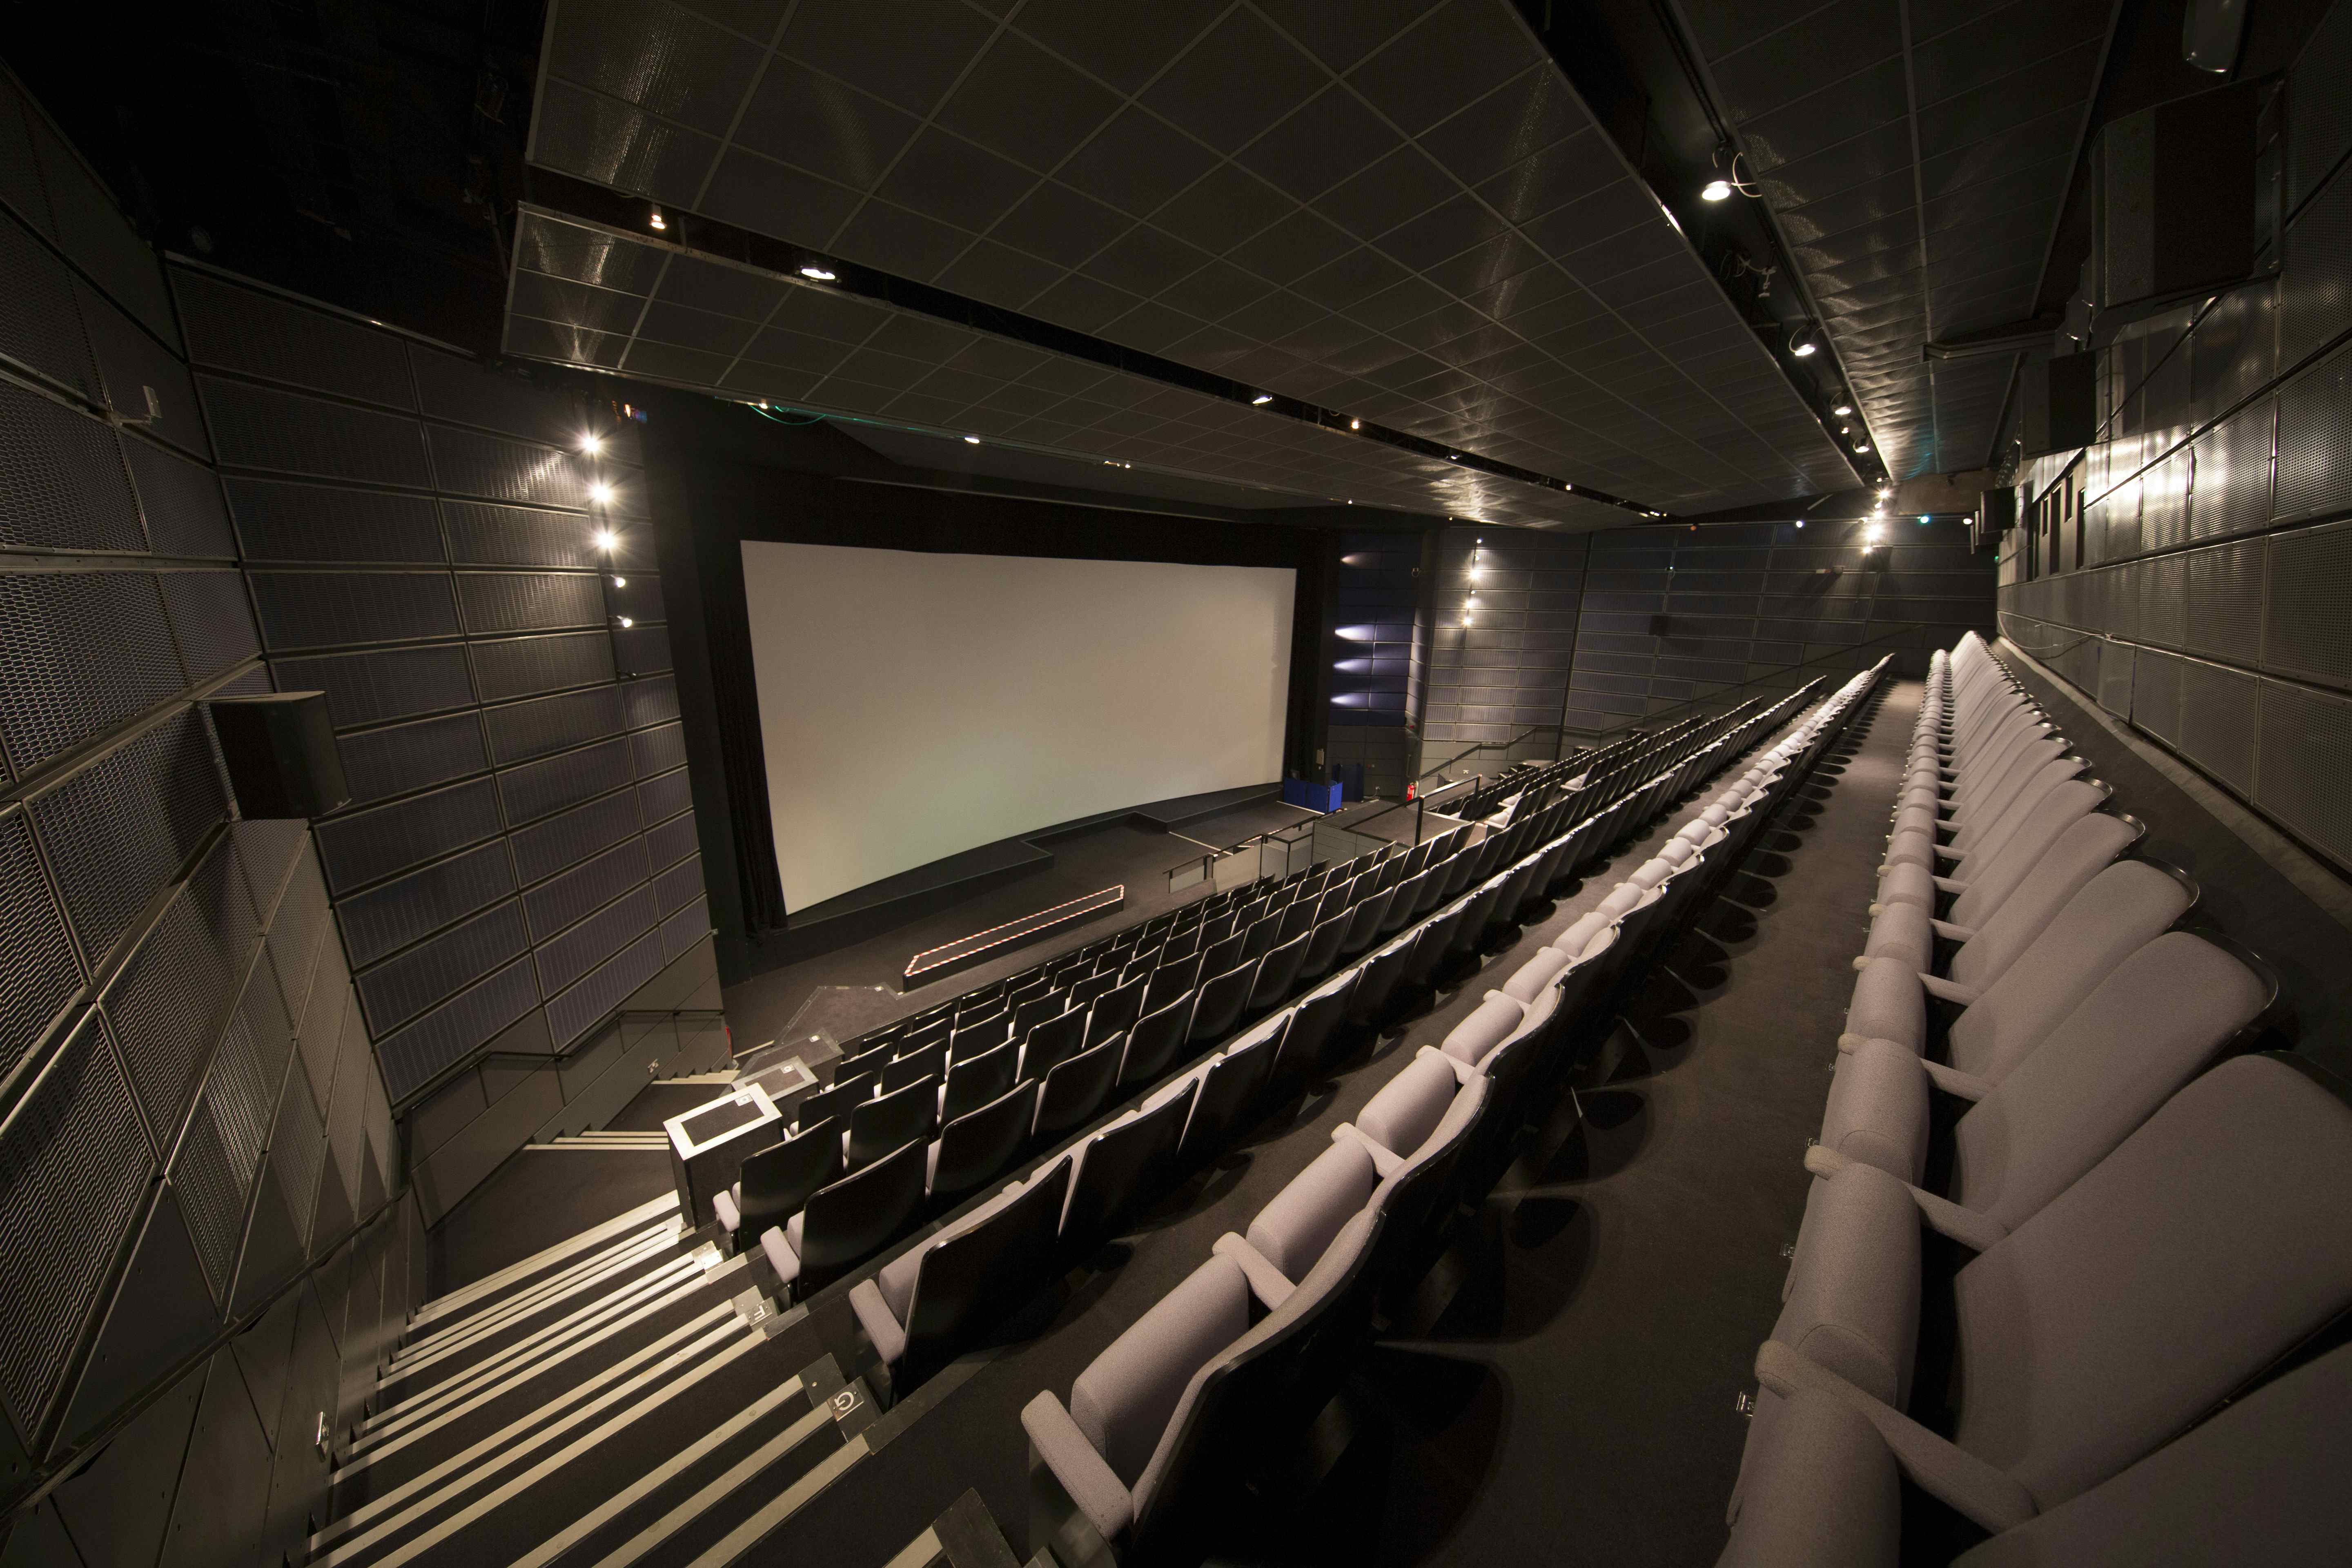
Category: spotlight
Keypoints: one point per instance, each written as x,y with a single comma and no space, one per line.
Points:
1355,423
971,440
606,538
1469,620
1714,191
654,221
1925,518
818,273
1801,523
600,493
620,581
1861,446
594,446
1262,399
1804,342
626,622
1843,409
1885,491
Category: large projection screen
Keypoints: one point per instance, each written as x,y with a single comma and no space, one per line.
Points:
914,705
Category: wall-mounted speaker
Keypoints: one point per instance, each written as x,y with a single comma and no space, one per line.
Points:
2173,198
281,753
2058,403
1661,625
2210,32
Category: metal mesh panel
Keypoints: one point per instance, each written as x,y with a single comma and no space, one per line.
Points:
211,1200
641,650
281,520
519,536
62,482
2307,631
388,839
277,340
679,883
118,830
659,750
2225,601
672,841
471,465
560,901
73,1168
538,789
182,502
2156,694
685,928
287,432
2164,600
268,849
331,610
2316,277
526,665
2314,428
37,972
39,327
459,390
566,958
529,601
2230,483
401,987
211,619
347,1106
578,1010
385,919
296,932
83,652
650,701
639,596
2217,721
380,764
525,730
662,798
445,1035
369,688
2164,504
2116,678
322,1033
384,1139
240,1093
297,1149
546,847
168,1003
2307,749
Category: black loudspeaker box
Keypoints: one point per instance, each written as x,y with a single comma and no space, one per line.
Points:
281,753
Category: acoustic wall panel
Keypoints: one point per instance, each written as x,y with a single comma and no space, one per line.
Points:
680,884
2218,721
463,393
63,484
389,917
651,700
672,841
285,519
2225,602
39,970
529,601
402,758
337,609
40,327
576,1010
2314,427
2308,633
271,338
287,432
87,651
169,1000
2305,750
483,534
522,666
371,688
447,1034
466,463
211,620
422,977
540,788
181,500
2156,694
543,848
377,843
571,896
659,799
522,730
688,926
565,958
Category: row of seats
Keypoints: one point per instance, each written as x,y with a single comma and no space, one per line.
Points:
1238,1357
2060,1216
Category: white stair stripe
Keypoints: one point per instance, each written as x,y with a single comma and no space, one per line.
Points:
442,1305
408,1368
554,1283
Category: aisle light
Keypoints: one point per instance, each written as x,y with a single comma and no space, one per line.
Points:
1843,409
1355,423
620,581
606,538
626,622
600,493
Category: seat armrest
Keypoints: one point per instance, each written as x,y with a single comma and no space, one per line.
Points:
1953,1081
881,1325
1989,1496
1268,1284
1942,1216
1092,1484
1849,1043
1952,884
1463,1071
1385,1163
1936,985
723,1205
1949,931
1946,852
780,1254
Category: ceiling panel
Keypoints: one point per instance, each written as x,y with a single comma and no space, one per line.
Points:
1286,192
599,298
1914,153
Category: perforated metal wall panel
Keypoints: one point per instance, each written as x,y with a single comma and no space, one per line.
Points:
2164,600
2230,487
672,841
182,502
538,789
2164,503
371,688
322,1031
283,519
240,1095
662,798
2225,601
62,480
465,393
650,701
640,649
379,764
40,330
2216,723
2316,280
401,987
260,335
467,463
2155,695
2306,753
2307,617
546,847
522,730
347,1110
211,619
490,535
296,931
388,839
268,849
85,652
445,1035
529,601
638,594
2114,688
680,883
129,362
659,750
521,665
287,432
2314,429
118,830
73,1166
38,968
337,609
684,929
384,919
169,1002
578,1010
565,958
298,1147
563,899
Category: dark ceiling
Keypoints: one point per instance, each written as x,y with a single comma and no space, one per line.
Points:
1400,211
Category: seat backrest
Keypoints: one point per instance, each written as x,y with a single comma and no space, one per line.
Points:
1033,1010
1260,937
1408,1108
2213,1239
1222,999
1123,1400
847,1220
1227,1087
923,1061
1297,920
981,1141
979,1270
1223,954
1049,1042
1276,974
2147,1027
1376,982
1125,1164
975,1080
1172,979
1116,1010
2080,853
1077,1087
778,1179
879,1125
838,1099
1992,875
1085,992
1474,913
2118,912
1411,1199
1323,946
982,1034
1152,1043
1297,1223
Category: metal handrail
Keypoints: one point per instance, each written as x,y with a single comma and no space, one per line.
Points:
1752,680
1482,745
1211,852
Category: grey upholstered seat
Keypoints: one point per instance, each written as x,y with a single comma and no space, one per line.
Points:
1989,881
920,1305
1908,931
974,1146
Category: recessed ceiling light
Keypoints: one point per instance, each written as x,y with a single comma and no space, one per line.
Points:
971,440
620,581
1861,446
654,220
1355,423
1805,343
1714,191
626,622
819,273
1843,409
1262,398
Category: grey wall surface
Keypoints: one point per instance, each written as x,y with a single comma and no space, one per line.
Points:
200,1244
1772,604
1508,669
2191,571
1373,650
